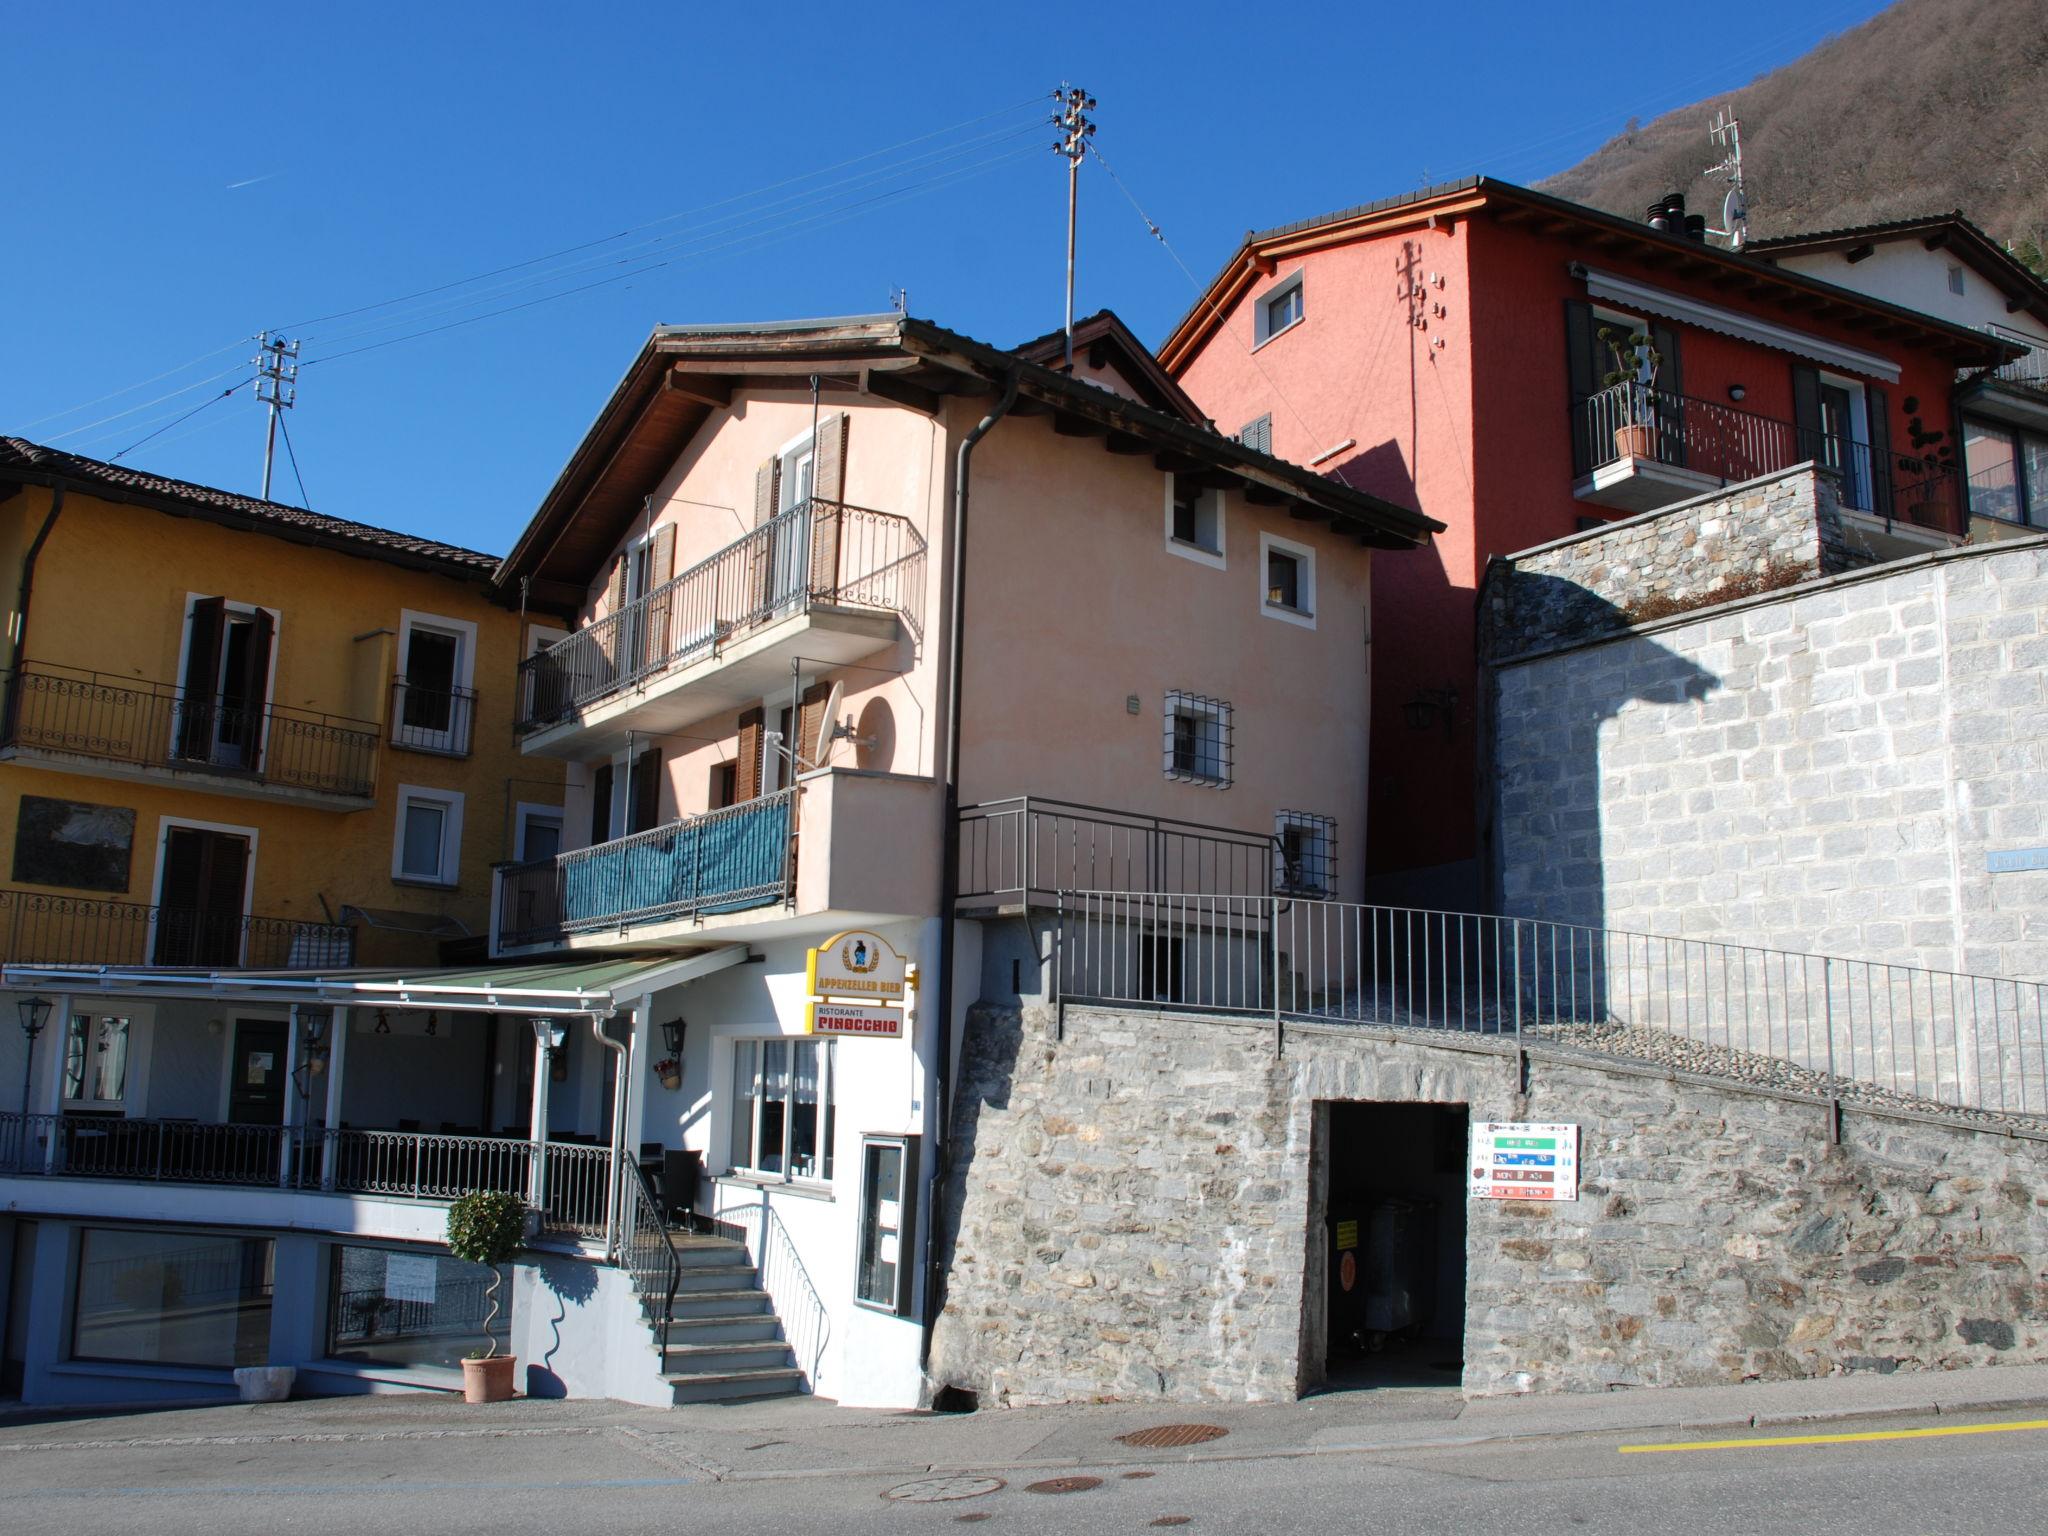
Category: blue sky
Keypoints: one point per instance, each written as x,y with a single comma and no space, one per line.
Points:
188,175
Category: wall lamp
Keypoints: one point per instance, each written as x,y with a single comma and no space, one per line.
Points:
1736,391
549,1032
1421,711
672,1036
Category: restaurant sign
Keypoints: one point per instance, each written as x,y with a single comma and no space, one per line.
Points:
852,1019
858,964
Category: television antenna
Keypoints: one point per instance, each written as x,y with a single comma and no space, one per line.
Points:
1727,131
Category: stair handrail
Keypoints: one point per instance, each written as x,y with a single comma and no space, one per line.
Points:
820,1317
640,1217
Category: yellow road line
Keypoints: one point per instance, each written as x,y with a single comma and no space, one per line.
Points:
1843,1439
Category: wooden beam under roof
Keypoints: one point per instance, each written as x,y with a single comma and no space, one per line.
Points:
1260,494
703,389
1068,424
888,385
1124,443
1857,253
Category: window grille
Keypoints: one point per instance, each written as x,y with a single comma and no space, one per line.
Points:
1198,740
1304,854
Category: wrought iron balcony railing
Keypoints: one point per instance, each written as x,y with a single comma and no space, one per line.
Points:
429,718
2030,369
39,928
157,725
723,861
819,553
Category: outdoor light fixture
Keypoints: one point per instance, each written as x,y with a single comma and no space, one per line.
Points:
549,1032
35,1013
672,1036
1736,391
1421,710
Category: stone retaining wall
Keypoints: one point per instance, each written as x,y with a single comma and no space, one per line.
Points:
1130,1216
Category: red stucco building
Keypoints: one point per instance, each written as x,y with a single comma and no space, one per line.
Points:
1450,350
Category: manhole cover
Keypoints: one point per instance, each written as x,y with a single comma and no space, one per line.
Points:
1161,1436
1064,1485
943,1490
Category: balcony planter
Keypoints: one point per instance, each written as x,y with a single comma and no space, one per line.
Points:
1637,441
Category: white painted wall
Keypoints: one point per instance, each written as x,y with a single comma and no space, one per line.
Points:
1906,273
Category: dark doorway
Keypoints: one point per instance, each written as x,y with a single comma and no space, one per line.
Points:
1394,1229
256,1086
199,916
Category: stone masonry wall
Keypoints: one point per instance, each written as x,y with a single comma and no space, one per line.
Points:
1134,1215
1780,524
1824,769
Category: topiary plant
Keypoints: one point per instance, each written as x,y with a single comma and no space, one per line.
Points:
487,1227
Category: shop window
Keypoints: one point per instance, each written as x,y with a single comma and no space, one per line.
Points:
387,1307
887,1268
782,1117
173,1298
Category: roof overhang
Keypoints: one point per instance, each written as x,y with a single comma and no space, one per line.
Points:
1104,341
548,990
2021,288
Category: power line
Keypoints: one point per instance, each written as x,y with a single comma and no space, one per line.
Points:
155,378
202,405
292,454
58,437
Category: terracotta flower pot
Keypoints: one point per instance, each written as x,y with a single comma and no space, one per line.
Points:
1635,442
488,1381
672,1080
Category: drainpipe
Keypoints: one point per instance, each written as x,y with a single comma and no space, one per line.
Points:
613,1175
949,844
28,577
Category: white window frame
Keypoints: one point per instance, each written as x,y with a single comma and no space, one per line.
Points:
450,801
455,738
1201,554
1288,287
1859,434
1304,613
525,813
749,1107
791,458
131,1067
228,605
1217,713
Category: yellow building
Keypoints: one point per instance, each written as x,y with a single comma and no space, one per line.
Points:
241,734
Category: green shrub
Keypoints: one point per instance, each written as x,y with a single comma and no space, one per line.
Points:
486,1227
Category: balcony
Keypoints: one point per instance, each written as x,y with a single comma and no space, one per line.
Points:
37,928
431,718
824,581
127,728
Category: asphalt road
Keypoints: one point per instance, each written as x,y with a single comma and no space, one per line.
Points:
619,1480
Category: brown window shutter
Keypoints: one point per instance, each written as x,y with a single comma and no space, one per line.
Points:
601,805
747,774
255,685
615,589
767,483
828,480
657,643
202,673
811,724
646,810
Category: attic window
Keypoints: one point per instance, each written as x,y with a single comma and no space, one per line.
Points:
1955,279
1194,520
1281,309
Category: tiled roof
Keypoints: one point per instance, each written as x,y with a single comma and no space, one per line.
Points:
22,459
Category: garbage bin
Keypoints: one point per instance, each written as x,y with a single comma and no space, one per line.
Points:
1399,1265
1346,1290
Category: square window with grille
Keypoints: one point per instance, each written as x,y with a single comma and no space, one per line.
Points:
1304,854
1198,740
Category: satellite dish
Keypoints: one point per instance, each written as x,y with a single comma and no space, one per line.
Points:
825,722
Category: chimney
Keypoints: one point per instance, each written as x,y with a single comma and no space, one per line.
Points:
1668,214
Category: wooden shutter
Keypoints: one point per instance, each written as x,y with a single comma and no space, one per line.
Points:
646,791
226,874
202,674
811,725
828,490
1881,466
767,485
601,804
1582,375
1805,413
659,642
615,587
747,767
255,684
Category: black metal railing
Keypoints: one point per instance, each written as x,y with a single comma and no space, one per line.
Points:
1716,440
431,718
722,861
817,554
1026,849
37,928
2030,368
646,1251
157,725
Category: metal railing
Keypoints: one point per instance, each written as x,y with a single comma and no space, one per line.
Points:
1976,1042
817,554
722,861
1710,438
159,725
646,1251
41,929
806,1325
438,720
2030,368
1027,849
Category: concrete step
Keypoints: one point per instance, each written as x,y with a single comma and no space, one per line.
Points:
687,1359
716,1277
708,1252
732,1386
718,1303
744,1328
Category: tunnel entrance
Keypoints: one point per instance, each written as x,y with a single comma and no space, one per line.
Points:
1393,1181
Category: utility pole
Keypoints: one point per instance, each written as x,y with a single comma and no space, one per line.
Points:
1076,131
277,387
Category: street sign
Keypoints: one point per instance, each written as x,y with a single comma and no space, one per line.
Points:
852,1019
1523,1161
857,964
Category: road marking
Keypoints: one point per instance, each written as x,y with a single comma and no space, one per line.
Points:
1842,1439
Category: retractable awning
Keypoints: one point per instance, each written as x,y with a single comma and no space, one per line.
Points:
594,989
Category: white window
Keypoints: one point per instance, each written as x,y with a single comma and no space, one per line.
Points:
1198,744
426,845
433,697
538,833
782,1115
1279,310
1194,520
1304,854
1258,434
1287,580
96,1060
1955,279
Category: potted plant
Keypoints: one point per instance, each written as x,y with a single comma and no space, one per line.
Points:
487,1227
1635,365
1927,470
670,1071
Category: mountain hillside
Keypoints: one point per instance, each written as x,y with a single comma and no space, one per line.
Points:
1928,106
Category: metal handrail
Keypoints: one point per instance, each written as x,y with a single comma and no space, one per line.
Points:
39,928
787,1282
160,725
725,860
2029,369
1973,1041
435,720
817,553
646,1251
1030,845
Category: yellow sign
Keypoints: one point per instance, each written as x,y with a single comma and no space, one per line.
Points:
857,964
855,1019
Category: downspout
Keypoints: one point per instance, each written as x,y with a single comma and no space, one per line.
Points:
949,857
615,1172
28,577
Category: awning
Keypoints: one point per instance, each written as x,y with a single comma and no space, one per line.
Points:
1711,317
432,924
552,989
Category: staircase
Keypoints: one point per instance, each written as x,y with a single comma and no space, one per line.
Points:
724,1341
